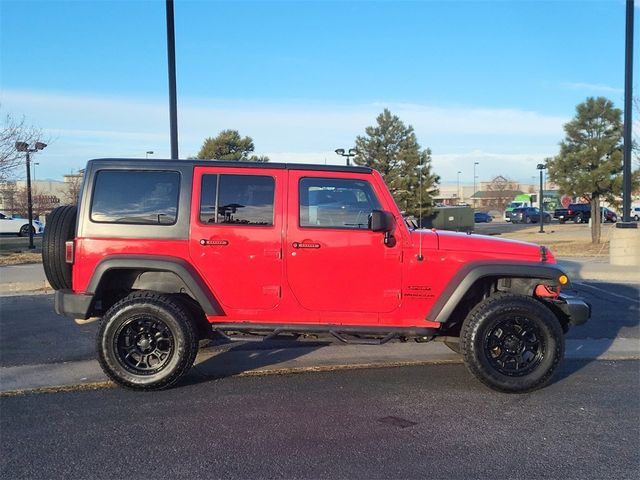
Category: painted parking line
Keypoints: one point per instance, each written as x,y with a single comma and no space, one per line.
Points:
608,292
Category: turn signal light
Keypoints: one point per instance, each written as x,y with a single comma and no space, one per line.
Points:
563,279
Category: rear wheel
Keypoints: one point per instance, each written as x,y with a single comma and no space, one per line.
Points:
24,230
578,219
512,343
146,341
61,226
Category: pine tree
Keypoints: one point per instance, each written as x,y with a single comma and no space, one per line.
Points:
229,145
392,148
590,161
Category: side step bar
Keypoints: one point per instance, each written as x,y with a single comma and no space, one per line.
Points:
345,333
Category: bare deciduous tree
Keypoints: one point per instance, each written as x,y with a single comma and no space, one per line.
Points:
15,130
42,203
73,185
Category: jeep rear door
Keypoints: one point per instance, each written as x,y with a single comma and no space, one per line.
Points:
334,263
236,234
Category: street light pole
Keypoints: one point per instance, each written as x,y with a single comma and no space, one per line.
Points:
458,188
475,164
24,147
541,167
352,153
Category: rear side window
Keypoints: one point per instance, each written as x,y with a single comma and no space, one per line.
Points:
237,199
135,197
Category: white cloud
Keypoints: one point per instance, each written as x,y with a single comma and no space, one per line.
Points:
593,87
83,127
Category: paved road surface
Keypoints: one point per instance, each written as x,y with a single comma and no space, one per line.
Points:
413,422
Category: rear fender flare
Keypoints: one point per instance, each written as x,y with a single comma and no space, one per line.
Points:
142,263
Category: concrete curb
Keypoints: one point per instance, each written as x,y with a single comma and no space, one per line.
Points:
220,362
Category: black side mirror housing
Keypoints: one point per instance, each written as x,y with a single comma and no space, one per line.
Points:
381,221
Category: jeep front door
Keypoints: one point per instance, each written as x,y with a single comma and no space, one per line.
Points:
334,263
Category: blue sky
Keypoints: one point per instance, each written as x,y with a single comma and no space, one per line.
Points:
482,81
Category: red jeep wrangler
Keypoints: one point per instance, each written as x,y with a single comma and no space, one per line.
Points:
172,252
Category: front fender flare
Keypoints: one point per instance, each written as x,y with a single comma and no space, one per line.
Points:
463,281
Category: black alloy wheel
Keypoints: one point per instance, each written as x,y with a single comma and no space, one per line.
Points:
514,346
144,344
147,341
512,343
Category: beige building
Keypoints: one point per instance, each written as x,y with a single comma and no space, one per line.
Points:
46,195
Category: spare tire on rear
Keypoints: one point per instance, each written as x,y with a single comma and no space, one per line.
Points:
61,226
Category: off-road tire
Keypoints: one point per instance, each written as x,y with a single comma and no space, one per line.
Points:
164,324
61,226
486,319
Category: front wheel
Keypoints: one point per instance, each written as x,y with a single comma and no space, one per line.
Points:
578,219
512,343
146,341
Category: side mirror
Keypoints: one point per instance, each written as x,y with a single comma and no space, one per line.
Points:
381,221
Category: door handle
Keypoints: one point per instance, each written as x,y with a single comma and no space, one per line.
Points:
305,245
211,243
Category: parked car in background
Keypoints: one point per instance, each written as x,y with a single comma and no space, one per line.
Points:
581,212
608,215
527,215
18,226
482,217
635,213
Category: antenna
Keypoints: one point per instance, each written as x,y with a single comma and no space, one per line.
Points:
420,257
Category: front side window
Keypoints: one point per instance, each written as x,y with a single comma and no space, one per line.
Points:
336,203
135,197
237,199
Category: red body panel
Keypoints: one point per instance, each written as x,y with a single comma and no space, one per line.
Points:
347,277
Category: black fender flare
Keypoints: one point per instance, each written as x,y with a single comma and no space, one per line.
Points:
462,282
180,267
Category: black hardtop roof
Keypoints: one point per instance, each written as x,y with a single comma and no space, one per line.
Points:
163,163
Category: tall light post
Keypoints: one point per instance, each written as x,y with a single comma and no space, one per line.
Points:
148,152
458,189
34,170
475,164
541,167
24,147
352,153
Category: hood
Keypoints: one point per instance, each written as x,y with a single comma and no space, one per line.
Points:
454,241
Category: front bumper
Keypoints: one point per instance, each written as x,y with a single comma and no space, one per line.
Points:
73,305
576,310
